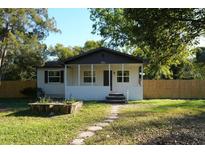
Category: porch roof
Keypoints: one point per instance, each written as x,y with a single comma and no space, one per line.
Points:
103,56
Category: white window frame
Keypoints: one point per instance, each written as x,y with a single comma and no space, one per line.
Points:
54,76
90,76
123,76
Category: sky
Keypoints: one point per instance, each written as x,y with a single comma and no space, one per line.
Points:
75,26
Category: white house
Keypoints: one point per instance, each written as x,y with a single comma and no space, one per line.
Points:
98,74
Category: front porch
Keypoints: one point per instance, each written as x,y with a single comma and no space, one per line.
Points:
96,81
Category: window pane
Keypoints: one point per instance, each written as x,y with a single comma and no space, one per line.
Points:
87,79
119,79
87,73
54,73
51,73
119,73
126,73
54,79
126,79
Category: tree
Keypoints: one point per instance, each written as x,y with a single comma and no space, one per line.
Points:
17,26
163,36
21,64
61,52
92,45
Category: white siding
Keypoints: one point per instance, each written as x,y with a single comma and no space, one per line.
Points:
133,90
50,89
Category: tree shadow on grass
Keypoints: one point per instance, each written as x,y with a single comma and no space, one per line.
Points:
29,113
159,128
189,130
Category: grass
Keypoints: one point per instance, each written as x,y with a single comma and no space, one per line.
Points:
19,126
156,122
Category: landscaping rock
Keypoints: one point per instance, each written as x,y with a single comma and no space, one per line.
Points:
102,124
94,128
77,142
113,117
86,134
109,120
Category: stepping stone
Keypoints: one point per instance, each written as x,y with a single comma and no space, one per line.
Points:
113,117
86,134
94,128
102,124
109,120
79,141
114,114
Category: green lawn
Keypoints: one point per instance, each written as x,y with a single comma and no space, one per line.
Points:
156,122
19,126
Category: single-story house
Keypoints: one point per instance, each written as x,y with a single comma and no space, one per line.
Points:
94,75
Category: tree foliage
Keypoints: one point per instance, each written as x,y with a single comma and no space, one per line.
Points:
61,52
163,36
21,33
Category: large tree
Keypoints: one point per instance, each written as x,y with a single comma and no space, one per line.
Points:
61,52
18,28
163,36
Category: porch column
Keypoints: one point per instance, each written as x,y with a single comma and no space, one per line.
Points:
142,75
122,72
92,74
78,74
65,80
109,74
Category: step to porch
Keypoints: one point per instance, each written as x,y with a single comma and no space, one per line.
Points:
116,98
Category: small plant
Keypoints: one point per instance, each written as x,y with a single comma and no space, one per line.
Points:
69,101
40,92
44,100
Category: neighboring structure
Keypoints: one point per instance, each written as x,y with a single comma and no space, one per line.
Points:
93,75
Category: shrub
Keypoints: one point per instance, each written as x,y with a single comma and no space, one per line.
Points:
29,92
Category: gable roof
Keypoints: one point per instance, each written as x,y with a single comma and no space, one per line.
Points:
53,64
103,56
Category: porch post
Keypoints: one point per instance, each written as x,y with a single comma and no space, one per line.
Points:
78,74
92,74
65,81
142,75
122,72
109,74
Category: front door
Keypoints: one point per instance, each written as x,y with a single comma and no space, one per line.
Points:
106,79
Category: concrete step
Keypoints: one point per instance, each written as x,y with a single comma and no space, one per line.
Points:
116,101
115,97
116,94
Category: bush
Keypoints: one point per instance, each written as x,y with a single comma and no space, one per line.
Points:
33,92
29,92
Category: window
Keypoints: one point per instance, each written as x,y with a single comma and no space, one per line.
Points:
54,76
123,77
87,77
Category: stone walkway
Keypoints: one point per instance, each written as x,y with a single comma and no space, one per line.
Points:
91,130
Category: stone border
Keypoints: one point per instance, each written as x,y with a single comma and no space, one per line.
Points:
91,130
55,108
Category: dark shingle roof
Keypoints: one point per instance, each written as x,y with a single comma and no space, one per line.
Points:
53,64
75,59
114,52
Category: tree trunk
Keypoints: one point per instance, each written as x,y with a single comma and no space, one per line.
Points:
3,52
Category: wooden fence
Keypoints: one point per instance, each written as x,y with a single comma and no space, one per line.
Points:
12,89
174,89
152,88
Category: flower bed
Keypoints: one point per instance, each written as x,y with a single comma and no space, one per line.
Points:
56,107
